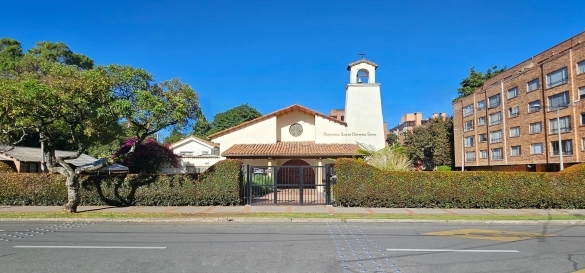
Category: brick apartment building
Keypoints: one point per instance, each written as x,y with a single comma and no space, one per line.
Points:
511,122
409,121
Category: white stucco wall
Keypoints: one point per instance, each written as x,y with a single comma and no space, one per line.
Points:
185,164
363,66
284,122
328,131
257,133
363,114
195,147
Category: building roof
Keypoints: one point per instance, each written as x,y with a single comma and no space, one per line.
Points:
301,148
182,141
30,154
375,65
277,113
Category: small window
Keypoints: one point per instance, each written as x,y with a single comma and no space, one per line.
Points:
580,67
534,106
533,85
496,137
497,154
512,93
582,118
186,153
583,144
515,131
558,101
495,118
536,149
468,110
582,93
33,168
483,154
481,104
514,111
516,151
535,128
494,101
565,125
469,141
481,121
483,138
567,147
557,78
470,156
468,126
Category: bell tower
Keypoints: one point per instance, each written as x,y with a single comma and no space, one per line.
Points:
363,105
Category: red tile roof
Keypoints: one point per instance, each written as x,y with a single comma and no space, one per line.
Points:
280,112
301,148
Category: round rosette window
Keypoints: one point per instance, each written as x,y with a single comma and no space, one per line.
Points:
295,130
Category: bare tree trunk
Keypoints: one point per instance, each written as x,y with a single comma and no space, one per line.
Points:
72,184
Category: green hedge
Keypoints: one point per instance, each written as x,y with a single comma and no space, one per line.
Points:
360,184
219,185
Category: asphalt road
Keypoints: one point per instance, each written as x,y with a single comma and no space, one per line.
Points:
289,247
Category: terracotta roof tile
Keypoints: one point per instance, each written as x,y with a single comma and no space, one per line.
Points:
302,148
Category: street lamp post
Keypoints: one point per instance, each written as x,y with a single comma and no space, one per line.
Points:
559,135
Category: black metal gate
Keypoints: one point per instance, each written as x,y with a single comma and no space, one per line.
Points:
287,185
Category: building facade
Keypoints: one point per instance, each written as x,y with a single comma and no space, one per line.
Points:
195,155
514,121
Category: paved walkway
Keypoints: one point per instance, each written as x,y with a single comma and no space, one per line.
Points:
211,210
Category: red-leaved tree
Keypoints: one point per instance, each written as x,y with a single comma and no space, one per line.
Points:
148,156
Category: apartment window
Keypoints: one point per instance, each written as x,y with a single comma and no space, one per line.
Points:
566,144
558,101
535,128
580,67
497,154
33,168
468,110
514,111
470,156
515,131
496,137
516,151
582,93
536,149
565,125
582,118
481,121
534,106
533,85
482,137
494,101
583,144
512,93
495,118
557,78
483,154
480,104
468,125
469,141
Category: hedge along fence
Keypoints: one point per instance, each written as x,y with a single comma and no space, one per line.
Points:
360,184
219,185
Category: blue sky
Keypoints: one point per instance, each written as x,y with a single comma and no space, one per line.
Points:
272,54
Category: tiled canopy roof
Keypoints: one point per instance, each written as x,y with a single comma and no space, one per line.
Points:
302,148
375,65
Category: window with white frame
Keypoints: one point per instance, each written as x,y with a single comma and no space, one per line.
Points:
536,149
565,125
497,154
480,104
512,93
536,127
469,156
482,137
469,141
567,146
514,111
468,110
534,106
481,121
516,151
496,137
483,154
582,93
494,101
581,67
532,85
583,144
468,125
515,131
582,118
495,118
558,101
557,78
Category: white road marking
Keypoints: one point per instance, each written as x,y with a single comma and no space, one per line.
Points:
96,247
452,250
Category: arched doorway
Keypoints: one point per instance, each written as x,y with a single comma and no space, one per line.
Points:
294,172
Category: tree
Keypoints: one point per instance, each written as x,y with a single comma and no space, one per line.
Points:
432,142
475,80
10,53
148,156
174,136
391,139
225,120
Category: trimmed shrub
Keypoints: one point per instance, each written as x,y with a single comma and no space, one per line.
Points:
359,184
444,168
